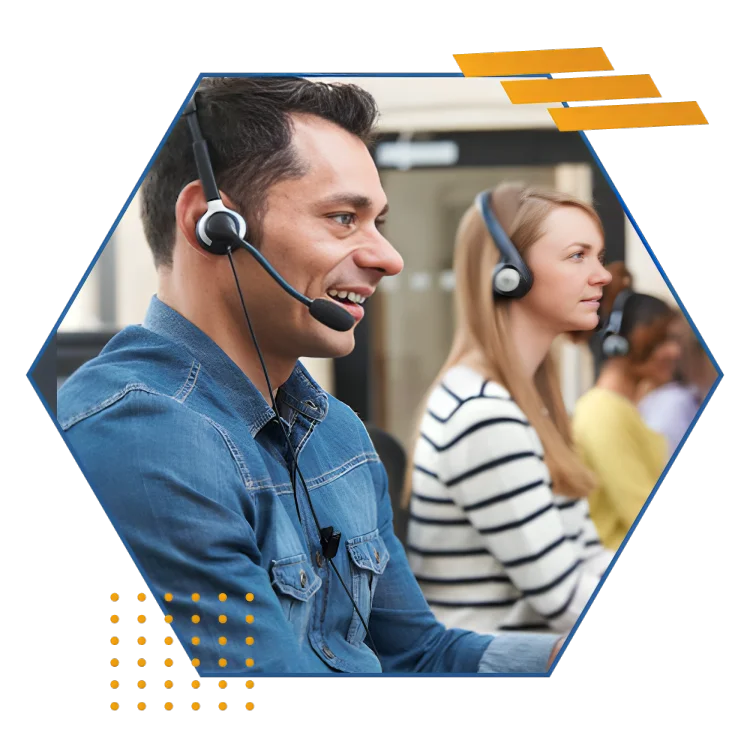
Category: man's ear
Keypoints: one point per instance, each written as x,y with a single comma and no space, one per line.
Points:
190,207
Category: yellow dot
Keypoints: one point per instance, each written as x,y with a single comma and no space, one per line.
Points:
249,662
249,618
222,597
114,706
222,706
141,684
141,662
222,662
168,662
195,618
168,706
168,597
249,706
114,618
196,706
114,684
114,597
222,619
222,684
168,618
168,684
141,640
249,597
249,640
141,706
114,662
195,683
196,662
195,640
249,684
114,640
195,597
141,597
141,618
222,641
168,640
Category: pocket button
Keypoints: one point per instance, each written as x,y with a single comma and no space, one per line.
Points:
319,559
303,578
377,556
328,653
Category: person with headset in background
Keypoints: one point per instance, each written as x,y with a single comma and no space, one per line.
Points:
499,533
670,407
251,500
626,456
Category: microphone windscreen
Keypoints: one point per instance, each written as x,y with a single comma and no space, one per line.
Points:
331,315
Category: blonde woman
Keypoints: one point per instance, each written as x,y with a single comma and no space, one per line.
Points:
499,533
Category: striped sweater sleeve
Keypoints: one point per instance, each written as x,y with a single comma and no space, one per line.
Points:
491,462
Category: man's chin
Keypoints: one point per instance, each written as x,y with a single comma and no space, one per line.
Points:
339,344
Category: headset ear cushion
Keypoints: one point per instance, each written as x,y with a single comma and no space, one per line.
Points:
615,346
505,279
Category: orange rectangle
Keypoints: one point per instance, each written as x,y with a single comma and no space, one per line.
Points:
654,115
542,90
533,62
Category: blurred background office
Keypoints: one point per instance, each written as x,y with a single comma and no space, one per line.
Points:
443,139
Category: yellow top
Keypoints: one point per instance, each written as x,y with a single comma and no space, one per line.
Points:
625,455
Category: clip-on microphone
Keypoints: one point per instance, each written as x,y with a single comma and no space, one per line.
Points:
220,231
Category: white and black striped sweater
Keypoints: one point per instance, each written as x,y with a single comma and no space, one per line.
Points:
490,544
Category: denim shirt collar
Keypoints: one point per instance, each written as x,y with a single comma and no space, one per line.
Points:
300,392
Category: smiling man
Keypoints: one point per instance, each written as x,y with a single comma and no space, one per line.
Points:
173,424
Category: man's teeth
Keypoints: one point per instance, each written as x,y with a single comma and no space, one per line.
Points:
351,296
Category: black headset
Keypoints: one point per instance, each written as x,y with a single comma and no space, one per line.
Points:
614,344
221,231
511,277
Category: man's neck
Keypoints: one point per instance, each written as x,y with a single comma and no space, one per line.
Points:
208,312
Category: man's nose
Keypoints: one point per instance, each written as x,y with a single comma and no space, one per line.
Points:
381,256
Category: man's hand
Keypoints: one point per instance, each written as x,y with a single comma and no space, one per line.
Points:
555,651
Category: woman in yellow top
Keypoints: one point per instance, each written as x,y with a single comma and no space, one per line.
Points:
626,456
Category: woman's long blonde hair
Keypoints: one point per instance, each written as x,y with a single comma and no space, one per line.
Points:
482,325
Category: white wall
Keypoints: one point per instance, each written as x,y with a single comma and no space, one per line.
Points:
436,104
646,277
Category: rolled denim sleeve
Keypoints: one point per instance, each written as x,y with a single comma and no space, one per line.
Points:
514,653
410,639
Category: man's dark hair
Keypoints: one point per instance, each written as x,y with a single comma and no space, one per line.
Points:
246,122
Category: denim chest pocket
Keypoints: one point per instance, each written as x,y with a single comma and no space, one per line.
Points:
369,557
296,583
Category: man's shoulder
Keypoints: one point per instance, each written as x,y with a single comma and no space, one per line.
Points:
135,361
343,420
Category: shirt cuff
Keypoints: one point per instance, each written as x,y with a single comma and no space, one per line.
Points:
511,653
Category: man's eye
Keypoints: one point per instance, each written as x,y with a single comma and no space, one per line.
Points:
345,220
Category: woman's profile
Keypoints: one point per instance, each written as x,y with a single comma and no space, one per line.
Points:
499,532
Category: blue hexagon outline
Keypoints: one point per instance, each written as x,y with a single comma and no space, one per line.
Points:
597,161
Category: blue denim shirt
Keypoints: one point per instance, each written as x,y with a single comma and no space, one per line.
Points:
191,467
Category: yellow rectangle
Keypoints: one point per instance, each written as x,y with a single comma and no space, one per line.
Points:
542,90
653,115
533,62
